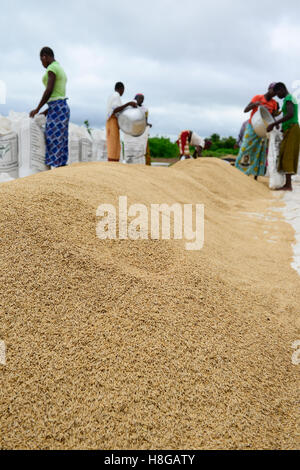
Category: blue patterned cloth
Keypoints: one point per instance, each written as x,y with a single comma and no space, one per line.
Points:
253,153
57,133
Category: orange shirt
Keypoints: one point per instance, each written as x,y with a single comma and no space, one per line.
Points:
271,105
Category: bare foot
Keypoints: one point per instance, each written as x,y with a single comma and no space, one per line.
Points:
285,188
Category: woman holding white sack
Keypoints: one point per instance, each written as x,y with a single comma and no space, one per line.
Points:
136,149
140,102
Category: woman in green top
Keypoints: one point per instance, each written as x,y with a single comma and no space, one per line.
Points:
58,113
289,150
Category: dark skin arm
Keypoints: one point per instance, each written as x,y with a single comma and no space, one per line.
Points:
252,106
121,108
290,114
46,95
277,111
148,123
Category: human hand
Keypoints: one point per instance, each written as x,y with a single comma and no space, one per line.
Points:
271,127
33,113
133,104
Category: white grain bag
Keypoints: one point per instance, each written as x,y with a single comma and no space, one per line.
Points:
298,172
99,147
86,146
9,154
277,180
74,144
135,148
5,178
32,145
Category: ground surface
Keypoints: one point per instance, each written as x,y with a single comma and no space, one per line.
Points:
144,345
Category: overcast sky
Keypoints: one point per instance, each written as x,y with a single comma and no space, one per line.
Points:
198,62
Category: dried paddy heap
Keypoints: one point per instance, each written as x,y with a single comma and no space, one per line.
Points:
142,344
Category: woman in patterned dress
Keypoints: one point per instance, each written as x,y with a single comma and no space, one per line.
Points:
253,152
58,112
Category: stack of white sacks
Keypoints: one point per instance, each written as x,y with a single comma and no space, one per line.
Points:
22,145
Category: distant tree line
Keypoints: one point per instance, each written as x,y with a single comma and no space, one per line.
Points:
162,147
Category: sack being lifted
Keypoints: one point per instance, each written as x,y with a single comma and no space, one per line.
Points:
135,148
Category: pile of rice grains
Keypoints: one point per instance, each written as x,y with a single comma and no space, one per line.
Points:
142,344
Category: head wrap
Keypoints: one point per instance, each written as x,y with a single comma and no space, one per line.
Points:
272,85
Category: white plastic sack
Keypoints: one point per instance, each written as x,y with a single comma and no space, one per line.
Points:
86,149
32,146
74,144
9,155
99,147
5,125
5,178
135,148
40,120
277,180
80,144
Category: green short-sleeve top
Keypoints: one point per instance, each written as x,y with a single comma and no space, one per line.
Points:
295,119
59,90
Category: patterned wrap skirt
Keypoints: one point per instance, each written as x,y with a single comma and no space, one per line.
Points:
57,133
289,151
253,153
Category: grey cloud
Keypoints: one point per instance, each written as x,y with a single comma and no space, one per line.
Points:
198,62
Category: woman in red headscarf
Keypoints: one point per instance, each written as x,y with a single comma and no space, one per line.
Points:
140,102
253,152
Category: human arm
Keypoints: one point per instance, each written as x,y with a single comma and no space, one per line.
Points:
147,122
199,150
241,134
251,106
124,106
290,113
147,116
46,95
277,111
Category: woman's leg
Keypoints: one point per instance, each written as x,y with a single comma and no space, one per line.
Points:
288,185
148,155
57,134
